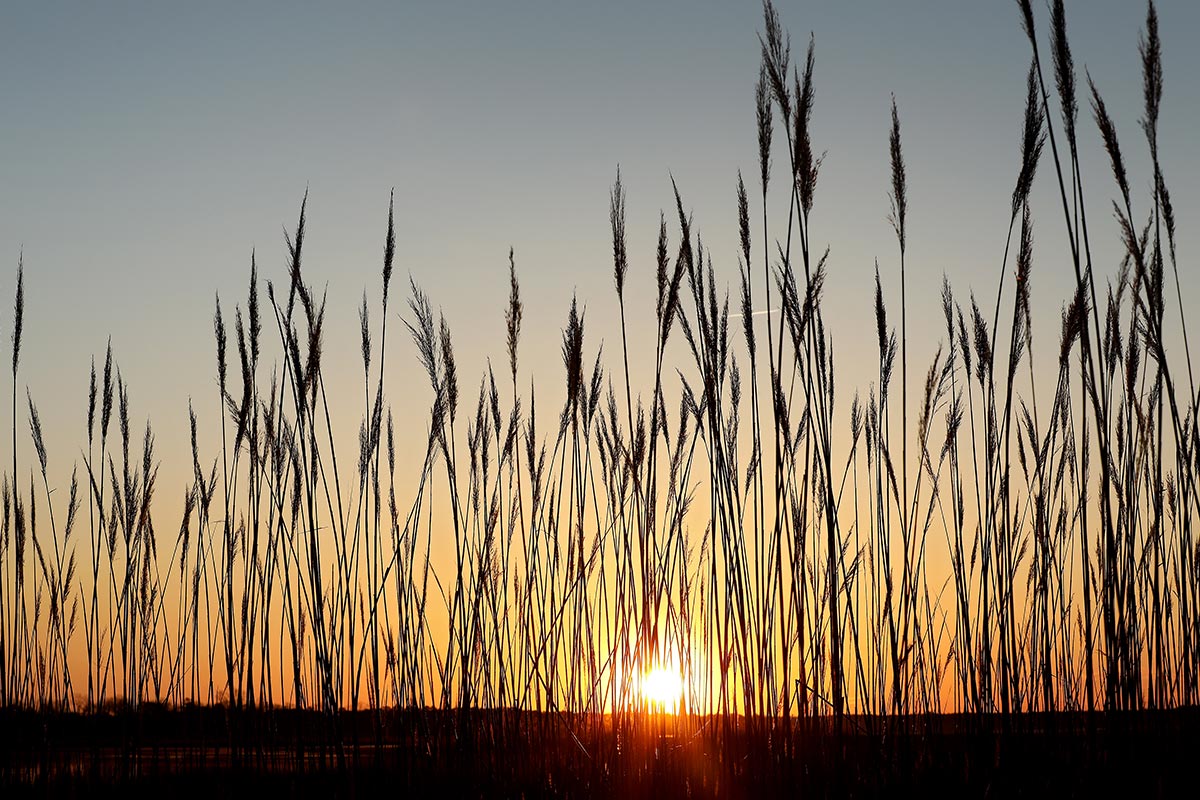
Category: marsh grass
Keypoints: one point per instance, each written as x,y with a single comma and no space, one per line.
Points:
784,575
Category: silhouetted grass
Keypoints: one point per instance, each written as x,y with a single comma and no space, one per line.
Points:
299,609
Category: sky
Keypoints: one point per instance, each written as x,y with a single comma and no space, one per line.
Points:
148,148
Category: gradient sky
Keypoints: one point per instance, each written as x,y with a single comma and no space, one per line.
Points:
149,146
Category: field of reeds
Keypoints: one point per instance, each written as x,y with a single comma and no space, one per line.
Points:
736,523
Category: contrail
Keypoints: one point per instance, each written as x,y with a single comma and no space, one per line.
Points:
755,313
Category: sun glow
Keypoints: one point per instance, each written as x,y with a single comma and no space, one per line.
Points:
662,689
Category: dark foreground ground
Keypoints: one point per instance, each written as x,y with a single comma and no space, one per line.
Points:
214,752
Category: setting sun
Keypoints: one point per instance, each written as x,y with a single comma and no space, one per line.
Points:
663,688
799,563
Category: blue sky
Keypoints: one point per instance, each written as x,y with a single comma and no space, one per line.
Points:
147,147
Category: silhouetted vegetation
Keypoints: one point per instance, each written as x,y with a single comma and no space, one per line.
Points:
730,521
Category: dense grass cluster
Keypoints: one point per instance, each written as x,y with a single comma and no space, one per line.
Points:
724,522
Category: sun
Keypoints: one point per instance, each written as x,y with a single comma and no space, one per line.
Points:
662,689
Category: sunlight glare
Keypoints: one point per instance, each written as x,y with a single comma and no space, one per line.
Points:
662,688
